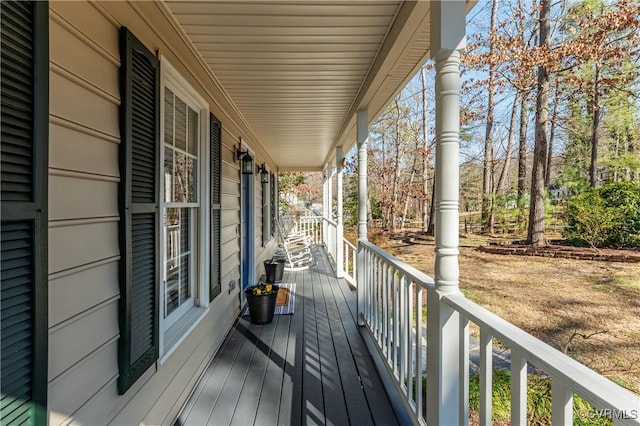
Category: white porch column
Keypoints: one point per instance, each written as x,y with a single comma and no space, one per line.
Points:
443,336
339,224
363,196
326,202
328,243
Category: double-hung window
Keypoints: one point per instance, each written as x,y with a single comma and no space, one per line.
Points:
184,189
181,205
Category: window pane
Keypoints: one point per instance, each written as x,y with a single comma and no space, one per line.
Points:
178,263
192,137
185,255
168,117
181,124
172,290
180,193
191,179
185,289
168,175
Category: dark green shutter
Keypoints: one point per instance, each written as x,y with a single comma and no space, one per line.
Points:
215,135
266,212
274,206
139,214
263,201
24,118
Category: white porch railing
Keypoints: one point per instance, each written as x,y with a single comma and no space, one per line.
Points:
331,237
350,253
395,296
311,226
395,314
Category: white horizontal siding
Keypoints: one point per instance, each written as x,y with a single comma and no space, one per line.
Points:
81,196
84,218
77,338
78,290
76,244
83,208
74,388
73,148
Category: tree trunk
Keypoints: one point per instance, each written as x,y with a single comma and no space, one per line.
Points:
536,233
522,157
432,210
522,140
406,197
504,174
593,169
552,133
396,172
384,198
425,153
487,170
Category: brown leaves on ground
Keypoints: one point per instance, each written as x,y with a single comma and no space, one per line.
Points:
589,308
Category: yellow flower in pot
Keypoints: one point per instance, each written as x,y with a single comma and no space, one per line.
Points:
262,302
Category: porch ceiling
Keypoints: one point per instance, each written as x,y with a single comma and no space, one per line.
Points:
299,70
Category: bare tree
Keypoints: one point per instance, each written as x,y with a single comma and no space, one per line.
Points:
487,171
393,206
536,232
522,157
552,134
504,174
425,154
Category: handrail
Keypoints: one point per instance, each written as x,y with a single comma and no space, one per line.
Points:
330,222
394,299
591,386
417,276
349,244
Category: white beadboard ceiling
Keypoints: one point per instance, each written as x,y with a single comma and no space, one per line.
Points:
299,70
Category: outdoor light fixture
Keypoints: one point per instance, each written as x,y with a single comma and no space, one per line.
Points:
264,174
241,153
246,161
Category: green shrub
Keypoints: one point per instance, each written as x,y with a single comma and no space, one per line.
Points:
608,216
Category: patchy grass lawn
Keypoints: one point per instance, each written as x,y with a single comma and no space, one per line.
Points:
588,309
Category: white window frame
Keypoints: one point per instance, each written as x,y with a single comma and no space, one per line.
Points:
188,316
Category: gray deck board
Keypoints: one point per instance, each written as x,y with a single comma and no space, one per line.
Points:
308,368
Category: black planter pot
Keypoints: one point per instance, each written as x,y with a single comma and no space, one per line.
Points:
261,308
274,270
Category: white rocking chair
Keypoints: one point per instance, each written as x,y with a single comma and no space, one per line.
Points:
297,248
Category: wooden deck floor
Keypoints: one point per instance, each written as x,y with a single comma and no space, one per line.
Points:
308,368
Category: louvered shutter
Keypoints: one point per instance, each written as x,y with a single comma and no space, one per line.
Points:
139,214
215,284
274,206
24,117
266,214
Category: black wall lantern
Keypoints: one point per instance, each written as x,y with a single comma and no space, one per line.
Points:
246,161
264,174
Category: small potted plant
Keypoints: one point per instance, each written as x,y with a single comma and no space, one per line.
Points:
262,302
274,270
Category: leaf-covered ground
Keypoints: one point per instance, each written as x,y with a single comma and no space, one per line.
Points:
589,309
